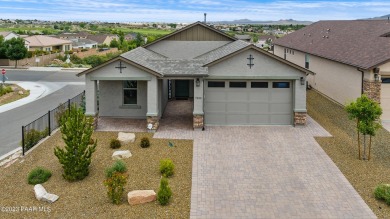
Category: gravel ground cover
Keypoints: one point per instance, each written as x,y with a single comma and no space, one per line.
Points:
342,148
88,198
14,96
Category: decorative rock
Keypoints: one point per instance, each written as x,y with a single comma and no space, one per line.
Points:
124,137
42,195
141,196
117,155
20,92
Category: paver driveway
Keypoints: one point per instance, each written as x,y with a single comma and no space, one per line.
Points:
267,172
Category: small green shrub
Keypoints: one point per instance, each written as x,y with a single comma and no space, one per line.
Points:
115,143
118,167
5,90
382,192
32,137
145,142
38,175
91,141
115,186
167,167
164,193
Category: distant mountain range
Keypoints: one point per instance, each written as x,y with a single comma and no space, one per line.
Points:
279,22
384,17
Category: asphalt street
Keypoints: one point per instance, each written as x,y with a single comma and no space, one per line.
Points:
11,121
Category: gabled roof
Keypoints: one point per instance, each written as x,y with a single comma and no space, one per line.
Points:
223,51
80,42
251,46
5,33
242,37
359,43
188,28
100,38
41,41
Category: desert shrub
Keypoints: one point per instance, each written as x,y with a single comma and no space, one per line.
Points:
167,167
115,143
5,90
382,192
38,175
118,167
32,137
76,157
115,186
145,142
164,193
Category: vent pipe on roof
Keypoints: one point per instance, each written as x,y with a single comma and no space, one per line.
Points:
205,14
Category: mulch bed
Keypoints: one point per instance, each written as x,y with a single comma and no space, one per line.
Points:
342,148
13,96
88,198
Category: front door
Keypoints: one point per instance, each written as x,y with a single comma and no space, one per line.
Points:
182,88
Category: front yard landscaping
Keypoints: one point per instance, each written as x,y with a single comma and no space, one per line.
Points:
342,148
16,93
88,198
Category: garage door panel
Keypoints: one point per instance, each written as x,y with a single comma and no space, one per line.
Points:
258,107
280,108
215,119
215,95
215,107
259,96
385,101
240,96
263,119
236,108
237,119
276,95
280,119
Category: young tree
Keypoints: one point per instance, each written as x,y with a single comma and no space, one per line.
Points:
367,114
15,49
114,43
76,157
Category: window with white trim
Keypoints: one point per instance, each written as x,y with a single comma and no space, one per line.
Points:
129,92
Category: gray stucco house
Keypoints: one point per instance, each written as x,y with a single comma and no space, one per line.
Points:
231,82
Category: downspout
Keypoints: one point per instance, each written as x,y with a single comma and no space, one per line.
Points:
362,89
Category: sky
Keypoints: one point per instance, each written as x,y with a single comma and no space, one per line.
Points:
191,10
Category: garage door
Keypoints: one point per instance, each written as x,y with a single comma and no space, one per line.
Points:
385,98
248,102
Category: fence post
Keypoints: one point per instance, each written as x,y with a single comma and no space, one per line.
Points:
23,140
49,123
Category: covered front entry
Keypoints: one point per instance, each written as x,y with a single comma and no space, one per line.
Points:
248,102
385,98
182,89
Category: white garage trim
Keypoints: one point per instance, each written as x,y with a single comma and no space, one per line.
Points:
385,98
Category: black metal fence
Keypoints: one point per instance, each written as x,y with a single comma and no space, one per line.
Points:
42,127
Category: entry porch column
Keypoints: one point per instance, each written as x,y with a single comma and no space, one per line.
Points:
198,114
152,115
91,99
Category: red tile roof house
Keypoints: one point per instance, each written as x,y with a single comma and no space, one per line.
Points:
349,58
228,81
46,43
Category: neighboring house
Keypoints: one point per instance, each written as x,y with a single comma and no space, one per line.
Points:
231,82
349,58
8,35
46,43
79,35
78,43
245,38
130,36
102,39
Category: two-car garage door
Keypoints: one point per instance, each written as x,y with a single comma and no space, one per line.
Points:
248,102
385,98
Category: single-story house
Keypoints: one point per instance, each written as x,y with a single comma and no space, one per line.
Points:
8,35
231,82
246,38
350,58
80,43
103,39
265,40
46,43
79,35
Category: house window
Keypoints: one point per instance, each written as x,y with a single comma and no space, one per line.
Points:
385,80
285,53
281,85
240,84
216,84
129,92
307,60
259,84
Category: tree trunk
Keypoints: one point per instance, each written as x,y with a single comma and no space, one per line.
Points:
358,135
369,149
364,147
16,63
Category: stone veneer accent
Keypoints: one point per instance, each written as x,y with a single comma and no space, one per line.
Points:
300,118
198,121
154,120
373,90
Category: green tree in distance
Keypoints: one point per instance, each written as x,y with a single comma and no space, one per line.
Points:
15,49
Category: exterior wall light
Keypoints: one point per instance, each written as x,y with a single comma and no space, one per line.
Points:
376,74
197,82
302,81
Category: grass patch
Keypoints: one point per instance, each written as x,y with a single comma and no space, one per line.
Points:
14,95
88,198
38,175
342,148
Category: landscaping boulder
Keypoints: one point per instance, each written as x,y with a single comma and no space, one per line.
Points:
124,137
141,196
118,155
20,92
42,195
